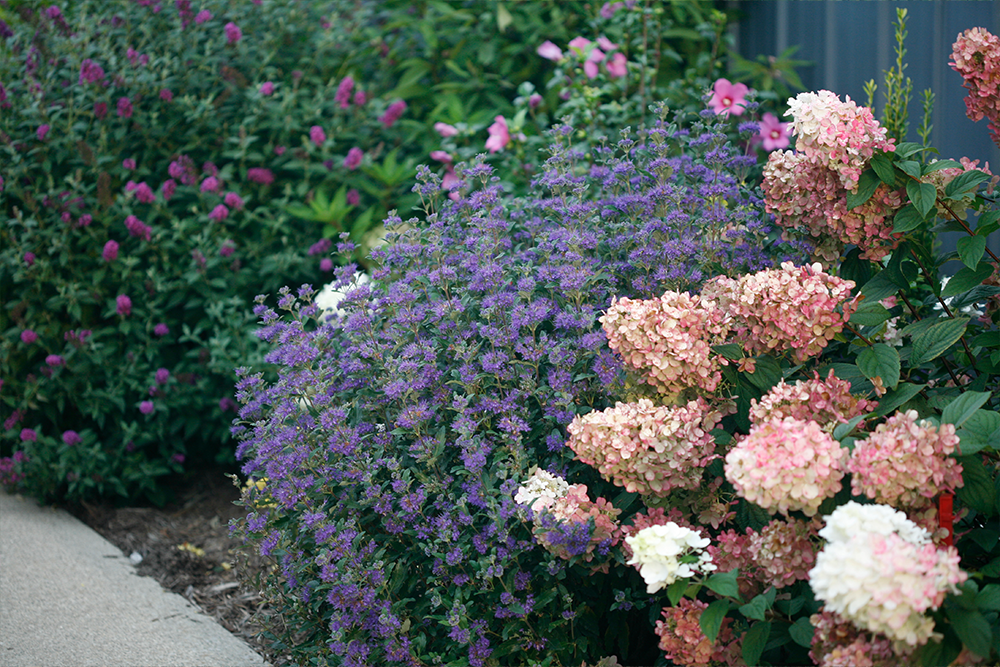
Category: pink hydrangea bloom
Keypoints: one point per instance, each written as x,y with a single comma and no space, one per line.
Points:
669,340
549,51
976,56
499,135
730,551
803,194
260,175
840,136
353,159
785,550
445,130
123,305
266,88
773,133
792,308
110,252
575,508
836,642
646,448
786,465
828,402
317,135
906,462
683,642
233,33
728,98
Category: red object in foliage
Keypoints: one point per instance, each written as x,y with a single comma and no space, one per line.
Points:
946,514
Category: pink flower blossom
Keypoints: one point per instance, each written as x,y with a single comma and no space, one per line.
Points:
260,175
595,57
617,66
728,98
162,375
138,228
84,220
353,159
360,97
227,248
29,258
168,188
128,164
233,33
499,135
144,194
684,643
317,135
110,252
210,184
146,407
353,197
827,402
219,213
549,51
124,107
579,45
203,16
326,265
976,56
166,95
266,88
100,110
54,360
837,642
279,150
161,330
392,114
441,156
123,305
785,550
606,44
906,462
41,132
71,438
773,134
343,94
445,130
28,435
90,72
233,201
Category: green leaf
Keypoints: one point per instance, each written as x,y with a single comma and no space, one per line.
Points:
893,399
870,314
867,185
730,351
991,569
972,628
962,408
766,374
879,287
880,360
988,223
966,279
843,429
882,164
906,219
754,642
942,164
939,654
971,250
965,184
936,340
981,430
724,584
906,149
922,196
756,608
676,591
977,492
989,597
802,632
909,167
711,619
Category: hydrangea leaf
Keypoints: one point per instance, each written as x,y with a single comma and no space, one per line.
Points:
989,597
966,279
754,642
965,184
724,583
867,185
870,314
978,492
922,195
962,408
937,339
971,250
711,619
894,399
802,632
907,219
972,628
882,164
880,360
756,608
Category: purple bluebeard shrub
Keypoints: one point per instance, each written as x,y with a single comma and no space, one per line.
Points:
398,432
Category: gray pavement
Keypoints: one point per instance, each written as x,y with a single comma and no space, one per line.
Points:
69,598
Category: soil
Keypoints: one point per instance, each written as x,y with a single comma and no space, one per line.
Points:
186,547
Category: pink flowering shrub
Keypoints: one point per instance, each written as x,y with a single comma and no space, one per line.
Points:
905,462
572,525
784,551
786,465
683,642
669,340
976,56
647,449
826,401
793,308
836,642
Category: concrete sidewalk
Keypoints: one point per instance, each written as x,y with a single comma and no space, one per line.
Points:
70,598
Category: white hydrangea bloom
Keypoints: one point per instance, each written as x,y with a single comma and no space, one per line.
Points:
853,518
657,551
880,571
328,300
541,485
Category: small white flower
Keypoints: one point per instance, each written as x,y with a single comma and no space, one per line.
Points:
328,300
658,550
969,310
541,485
853,518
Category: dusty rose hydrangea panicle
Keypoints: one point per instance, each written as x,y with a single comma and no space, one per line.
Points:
827,402
836,642
646,448
786,465
881,571
667,552
840,136
905,462
793,308
976,56
684,643
541,490
785,550
656,516
669,339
